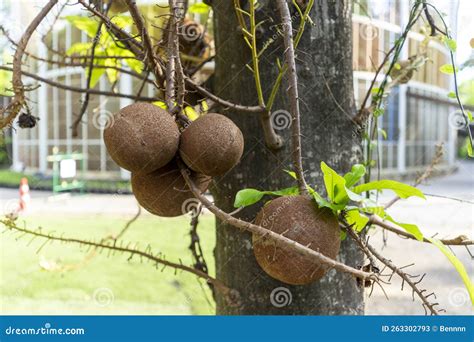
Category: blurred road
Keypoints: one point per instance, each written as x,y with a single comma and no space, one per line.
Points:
446,217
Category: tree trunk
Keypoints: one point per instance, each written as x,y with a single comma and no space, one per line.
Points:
324,63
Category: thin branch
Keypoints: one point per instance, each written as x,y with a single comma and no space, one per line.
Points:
172,50
449,198
293,93
426,174
392,227
85,102
128,224
148,45
10,225
81,90
203,91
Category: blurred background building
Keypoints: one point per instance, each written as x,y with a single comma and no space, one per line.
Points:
416,118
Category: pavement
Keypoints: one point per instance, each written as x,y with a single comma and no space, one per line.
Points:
445,218
436,215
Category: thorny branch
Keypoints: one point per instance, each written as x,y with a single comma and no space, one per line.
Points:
371,252
172,51
195,245
407,278
293,92
18,101
378,221
129,42
158,259
150,54
80,90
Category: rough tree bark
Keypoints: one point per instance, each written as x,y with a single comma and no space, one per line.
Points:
324,63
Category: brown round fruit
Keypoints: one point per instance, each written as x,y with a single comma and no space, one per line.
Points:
299,219
142,138
211,145
165,193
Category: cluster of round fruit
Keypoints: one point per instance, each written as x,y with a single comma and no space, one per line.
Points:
145,139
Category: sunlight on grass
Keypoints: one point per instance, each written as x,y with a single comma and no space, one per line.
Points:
83,281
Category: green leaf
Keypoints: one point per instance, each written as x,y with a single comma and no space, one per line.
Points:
160,104
355,197
469,115
204,106
447,69
190,113
409,228
469,149
383,133
356,173
354,218
112,74
450,43
86,24
292,191
322,202
79,49
374,209
247,197
135,65
335,185
401,189
452,95
122,21
95,76
6,83
199,8
457,264
378,112
291,173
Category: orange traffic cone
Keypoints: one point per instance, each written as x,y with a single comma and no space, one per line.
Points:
24,194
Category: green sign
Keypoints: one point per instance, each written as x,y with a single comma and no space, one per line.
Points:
65,175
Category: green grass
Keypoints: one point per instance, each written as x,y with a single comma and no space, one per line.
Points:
138,287
12,178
